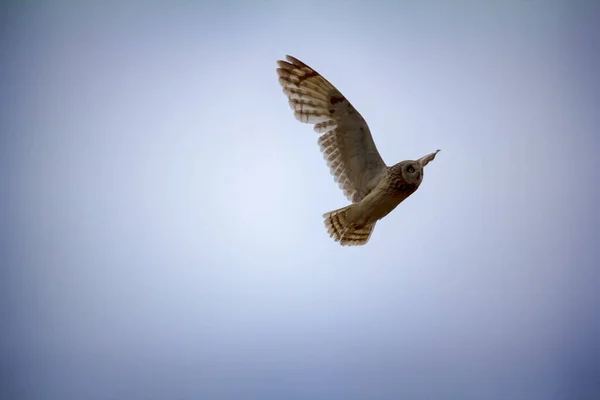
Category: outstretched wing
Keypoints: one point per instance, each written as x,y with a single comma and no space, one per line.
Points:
346,141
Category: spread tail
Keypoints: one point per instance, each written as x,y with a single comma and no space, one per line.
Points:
346,233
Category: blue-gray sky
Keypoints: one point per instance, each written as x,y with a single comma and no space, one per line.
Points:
161,207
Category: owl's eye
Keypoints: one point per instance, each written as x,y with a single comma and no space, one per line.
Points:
411,169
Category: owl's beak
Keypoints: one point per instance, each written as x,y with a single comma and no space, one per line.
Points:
426,159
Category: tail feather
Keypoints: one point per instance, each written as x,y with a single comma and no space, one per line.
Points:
346,233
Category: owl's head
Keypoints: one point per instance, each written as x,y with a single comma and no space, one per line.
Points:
413,170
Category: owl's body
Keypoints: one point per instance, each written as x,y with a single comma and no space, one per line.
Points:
354,224
347,145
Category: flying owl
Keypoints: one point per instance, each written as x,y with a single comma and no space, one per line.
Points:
347,145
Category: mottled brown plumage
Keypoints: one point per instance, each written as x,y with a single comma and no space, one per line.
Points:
353,159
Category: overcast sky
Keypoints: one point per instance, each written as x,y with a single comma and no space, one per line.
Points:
161,230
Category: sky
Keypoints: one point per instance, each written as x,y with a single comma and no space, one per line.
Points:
161,232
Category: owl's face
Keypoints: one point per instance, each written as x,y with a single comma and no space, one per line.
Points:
412,172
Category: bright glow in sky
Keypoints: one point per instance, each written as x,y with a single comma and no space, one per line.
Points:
162,234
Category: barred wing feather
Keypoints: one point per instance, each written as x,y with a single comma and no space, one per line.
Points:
346,141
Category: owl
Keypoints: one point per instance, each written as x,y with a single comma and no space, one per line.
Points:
347,145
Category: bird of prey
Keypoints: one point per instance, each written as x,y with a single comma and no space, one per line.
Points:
347,145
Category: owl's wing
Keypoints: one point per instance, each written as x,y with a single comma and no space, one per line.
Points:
346,143
427,159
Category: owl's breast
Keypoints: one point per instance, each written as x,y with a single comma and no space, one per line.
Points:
384,199
404,189
400,188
